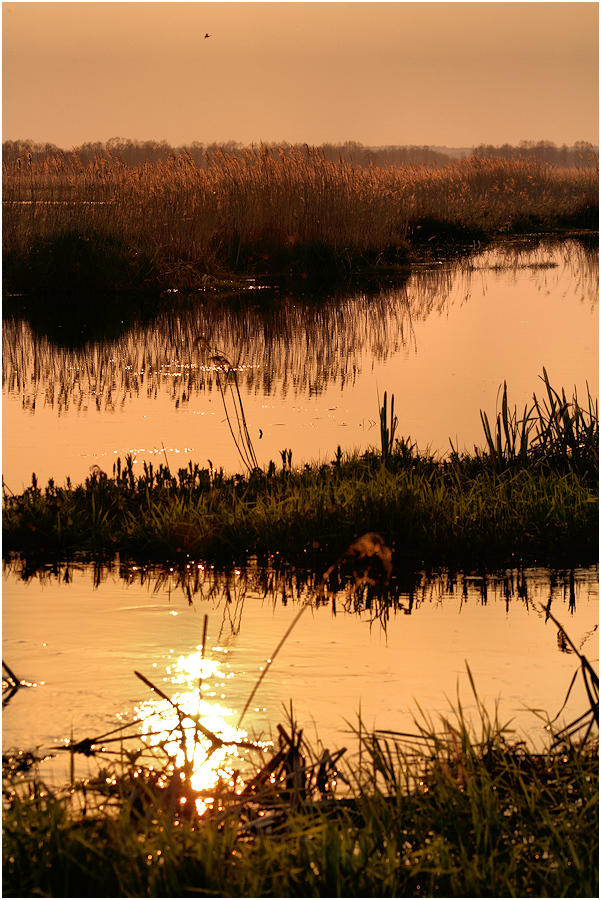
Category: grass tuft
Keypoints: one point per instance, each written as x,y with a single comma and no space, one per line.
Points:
446,812
531,496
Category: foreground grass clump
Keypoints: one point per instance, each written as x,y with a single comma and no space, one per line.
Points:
444,814
174,224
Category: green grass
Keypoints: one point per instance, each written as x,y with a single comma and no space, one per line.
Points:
456,513
445,812
530,496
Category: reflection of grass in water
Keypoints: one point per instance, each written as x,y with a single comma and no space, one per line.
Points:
288,344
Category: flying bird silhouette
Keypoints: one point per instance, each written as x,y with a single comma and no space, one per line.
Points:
206,36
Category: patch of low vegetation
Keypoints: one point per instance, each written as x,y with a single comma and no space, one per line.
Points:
98,225
529,496
444,812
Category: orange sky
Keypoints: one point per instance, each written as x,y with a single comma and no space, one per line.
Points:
455,74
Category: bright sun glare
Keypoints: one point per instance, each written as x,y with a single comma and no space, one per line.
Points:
197,712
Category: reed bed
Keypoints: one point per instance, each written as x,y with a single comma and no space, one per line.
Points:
450,810
497,507
175,223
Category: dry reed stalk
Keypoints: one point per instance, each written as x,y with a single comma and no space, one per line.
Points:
260,199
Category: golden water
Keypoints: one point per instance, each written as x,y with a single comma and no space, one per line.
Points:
82,640
312,373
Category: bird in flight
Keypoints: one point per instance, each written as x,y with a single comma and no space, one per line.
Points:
206,36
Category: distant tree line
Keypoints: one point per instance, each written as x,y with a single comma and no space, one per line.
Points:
581,154
135,153
384,156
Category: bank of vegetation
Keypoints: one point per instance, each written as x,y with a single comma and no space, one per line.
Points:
135,153
75,225
529,495
449,813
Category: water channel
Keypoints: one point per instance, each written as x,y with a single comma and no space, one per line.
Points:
311,369
310,372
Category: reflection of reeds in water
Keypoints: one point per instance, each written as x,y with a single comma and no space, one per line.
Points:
291,348
288,345
224,592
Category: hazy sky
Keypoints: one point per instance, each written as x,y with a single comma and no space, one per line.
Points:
458,74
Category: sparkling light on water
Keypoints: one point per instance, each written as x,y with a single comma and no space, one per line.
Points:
184,727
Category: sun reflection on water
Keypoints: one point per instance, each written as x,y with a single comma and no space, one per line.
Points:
194,729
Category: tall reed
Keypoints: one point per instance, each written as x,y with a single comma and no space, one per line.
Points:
257,211
387,432
553,433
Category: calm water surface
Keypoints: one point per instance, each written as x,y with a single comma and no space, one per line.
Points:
80,638
310,372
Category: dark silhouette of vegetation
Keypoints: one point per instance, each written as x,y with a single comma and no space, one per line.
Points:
459,810
581,155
